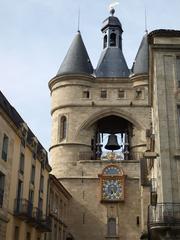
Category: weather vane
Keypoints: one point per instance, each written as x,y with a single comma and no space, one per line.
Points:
112,6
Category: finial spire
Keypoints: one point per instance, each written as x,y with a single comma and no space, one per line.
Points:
79,13
145,18
146,30
112,11
112,6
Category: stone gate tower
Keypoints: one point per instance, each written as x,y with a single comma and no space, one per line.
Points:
103,137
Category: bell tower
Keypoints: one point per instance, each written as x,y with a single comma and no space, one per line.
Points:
112,31
99,122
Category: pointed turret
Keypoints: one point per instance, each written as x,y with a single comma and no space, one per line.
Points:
112,62
141,61
77,60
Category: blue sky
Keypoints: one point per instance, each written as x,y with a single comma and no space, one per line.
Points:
35,36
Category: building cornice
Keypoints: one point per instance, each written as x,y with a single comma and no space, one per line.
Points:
129,103
70,77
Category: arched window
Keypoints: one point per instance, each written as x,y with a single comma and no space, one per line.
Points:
112,40
105,41
111,227
63,127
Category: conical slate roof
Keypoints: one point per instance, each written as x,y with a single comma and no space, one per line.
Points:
141,60
77,60
112,64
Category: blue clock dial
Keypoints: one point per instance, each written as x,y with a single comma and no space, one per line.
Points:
112,189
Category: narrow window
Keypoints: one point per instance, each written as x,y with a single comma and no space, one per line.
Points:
121,93
83,218
60,233
31,196
65,210
56,202
16,233
42,183
178,113
63,128
103,93
19,197
43,164
55,231
40,204
139,94
111,227
112,40
21,165
5,147
2,185
86,93
105,41
64,235
28,236
137,221
32,174
178,71
61,206
20,190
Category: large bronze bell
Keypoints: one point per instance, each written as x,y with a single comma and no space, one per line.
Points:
112,143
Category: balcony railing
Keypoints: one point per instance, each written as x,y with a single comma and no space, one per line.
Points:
164,214
45,224
117,155
23,208
40,221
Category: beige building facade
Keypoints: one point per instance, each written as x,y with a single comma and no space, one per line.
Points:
115,137
24,174
58,207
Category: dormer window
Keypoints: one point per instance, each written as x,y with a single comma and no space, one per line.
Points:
112,40
105,41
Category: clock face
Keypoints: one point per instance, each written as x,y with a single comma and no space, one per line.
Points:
112,189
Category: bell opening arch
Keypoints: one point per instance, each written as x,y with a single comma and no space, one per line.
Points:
113,136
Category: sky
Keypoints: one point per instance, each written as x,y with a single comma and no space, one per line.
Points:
36,34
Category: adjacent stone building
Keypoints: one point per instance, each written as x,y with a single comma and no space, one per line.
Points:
115,137
58,208
24,174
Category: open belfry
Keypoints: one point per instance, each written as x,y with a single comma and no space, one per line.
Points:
115,143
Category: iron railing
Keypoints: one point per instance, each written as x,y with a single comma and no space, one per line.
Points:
23,208
41,221
164,214
45,223
89,155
